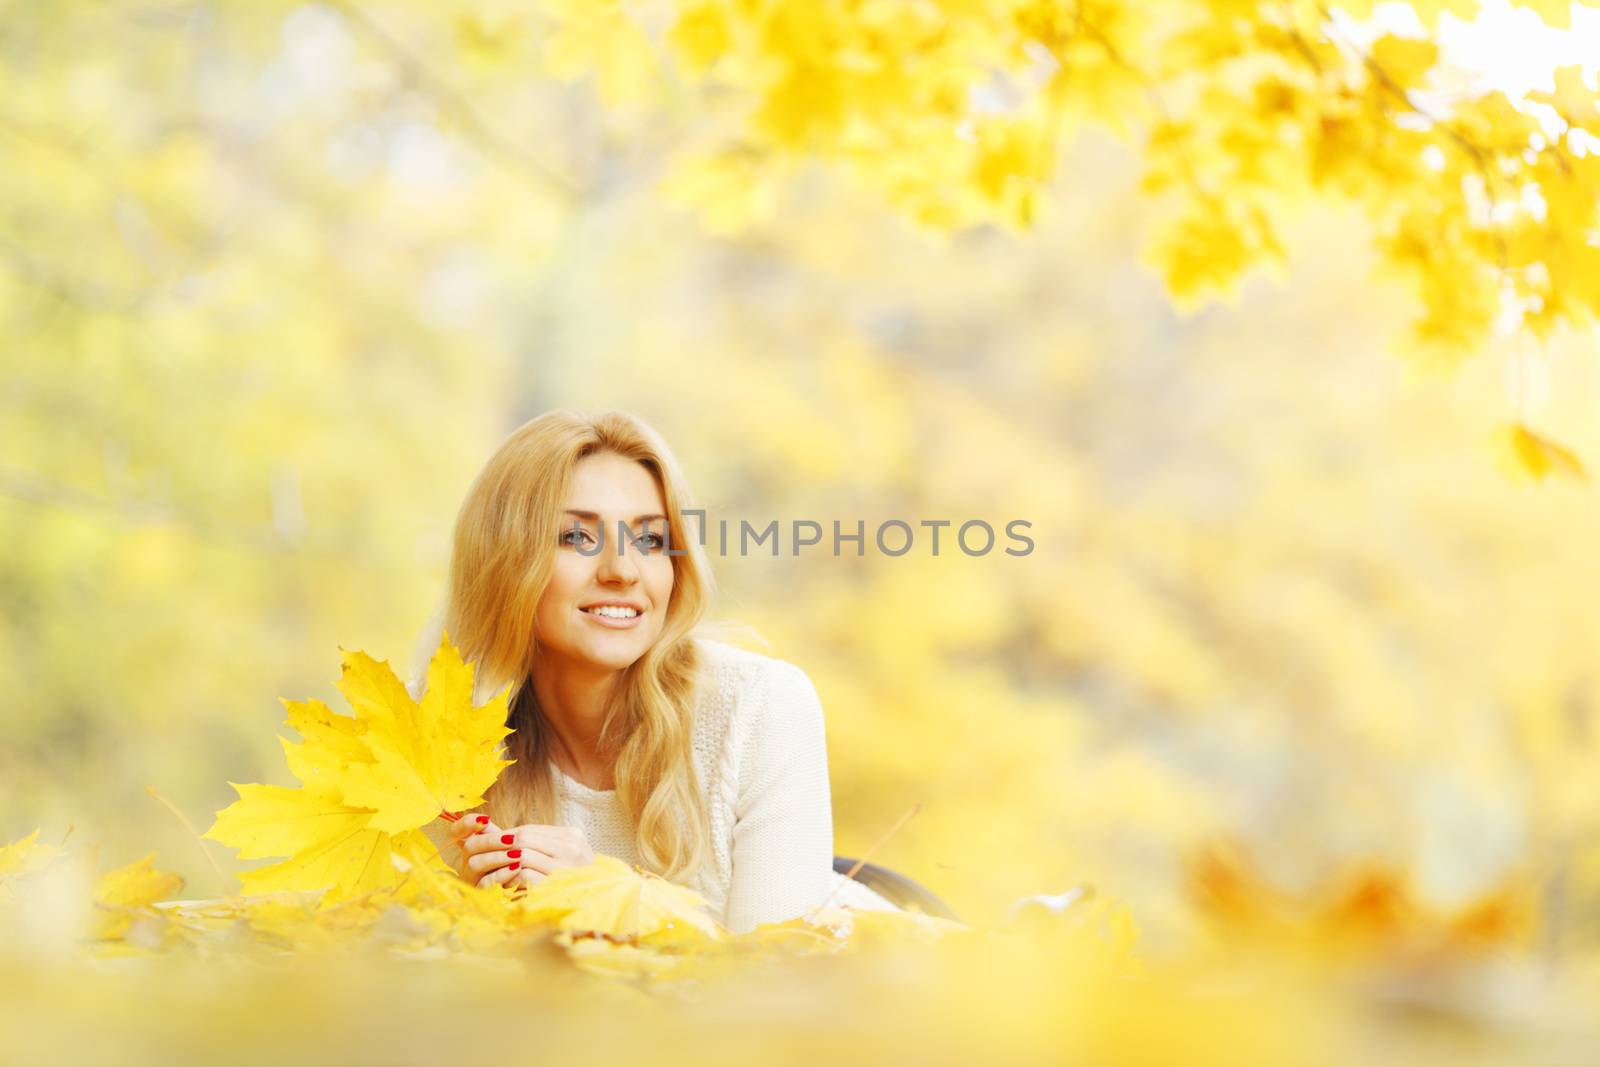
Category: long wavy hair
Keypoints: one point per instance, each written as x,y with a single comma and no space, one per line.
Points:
506,537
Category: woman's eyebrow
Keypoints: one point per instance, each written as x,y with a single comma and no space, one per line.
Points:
595,516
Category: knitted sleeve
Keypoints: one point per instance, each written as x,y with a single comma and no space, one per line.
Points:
783,827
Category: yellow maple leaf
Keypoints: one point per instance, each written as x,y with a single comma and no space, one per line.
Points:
24,855
360,861
328,841
370,781
806,935
1528,455
605,958
435,756
432,883
121,894
331,741
611,898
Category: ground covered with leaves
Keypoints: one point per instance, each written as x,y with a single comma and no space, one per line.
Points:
363,945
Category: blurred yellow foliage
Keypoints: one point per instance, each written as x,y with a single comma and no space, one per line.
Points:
957,114
1534,457
275,278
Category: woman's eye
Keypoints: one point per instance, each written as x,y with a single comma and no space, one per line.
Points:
566,536
652,541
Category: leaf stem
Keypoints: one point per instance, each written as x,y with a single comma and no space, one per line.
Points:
879,843
187,825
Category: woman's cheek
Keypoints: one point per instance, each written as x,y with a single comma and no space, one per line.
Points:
662,594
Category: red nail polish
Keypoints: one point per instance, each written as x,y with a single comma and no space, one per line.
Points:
483,820
514,866
515,853
506,839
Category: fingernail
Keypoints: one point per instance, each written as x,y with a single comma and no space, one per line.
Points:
515,853
483,820
506,839
514,866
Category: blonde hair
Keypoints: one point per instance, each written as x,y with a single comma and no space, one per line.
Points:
506,537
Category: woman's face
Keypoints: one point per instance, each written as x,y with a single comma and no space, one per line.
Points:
606,489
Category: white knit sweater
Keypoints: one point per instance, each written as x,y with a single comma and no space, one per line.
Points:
761,760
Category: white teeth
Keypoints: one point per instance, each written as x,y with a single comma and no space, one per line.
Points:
612,612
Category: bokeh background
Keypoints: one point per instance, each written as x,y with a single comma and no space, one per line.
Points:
276,278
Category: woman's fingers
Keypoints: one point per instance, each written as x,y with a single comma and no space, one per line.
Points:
480,862
540,847
498,876
472,826
488,839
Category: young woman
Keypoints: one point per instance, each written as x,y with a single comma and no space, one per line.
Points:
637,735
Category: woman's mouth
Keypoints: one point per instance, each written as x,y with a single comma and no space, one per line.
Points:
614,618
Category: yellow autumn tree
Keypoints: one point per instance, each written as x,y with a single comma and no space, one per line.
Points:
1244,112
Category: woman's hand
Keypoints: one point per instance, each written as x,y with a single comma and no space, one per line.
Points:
521,855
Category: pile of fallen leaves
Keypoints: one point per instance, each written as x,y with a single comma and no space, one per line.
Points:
360,944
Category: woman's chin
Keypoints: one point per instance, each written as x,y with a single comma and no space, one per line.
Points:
616,654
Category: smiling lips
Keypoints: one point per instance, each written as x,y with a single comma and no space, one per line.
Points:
615,615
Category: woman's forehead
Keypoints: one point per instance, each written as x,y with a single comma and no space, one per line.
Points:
610,487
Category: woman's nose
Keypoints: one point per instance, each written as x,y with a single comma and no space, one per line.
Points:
616,563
